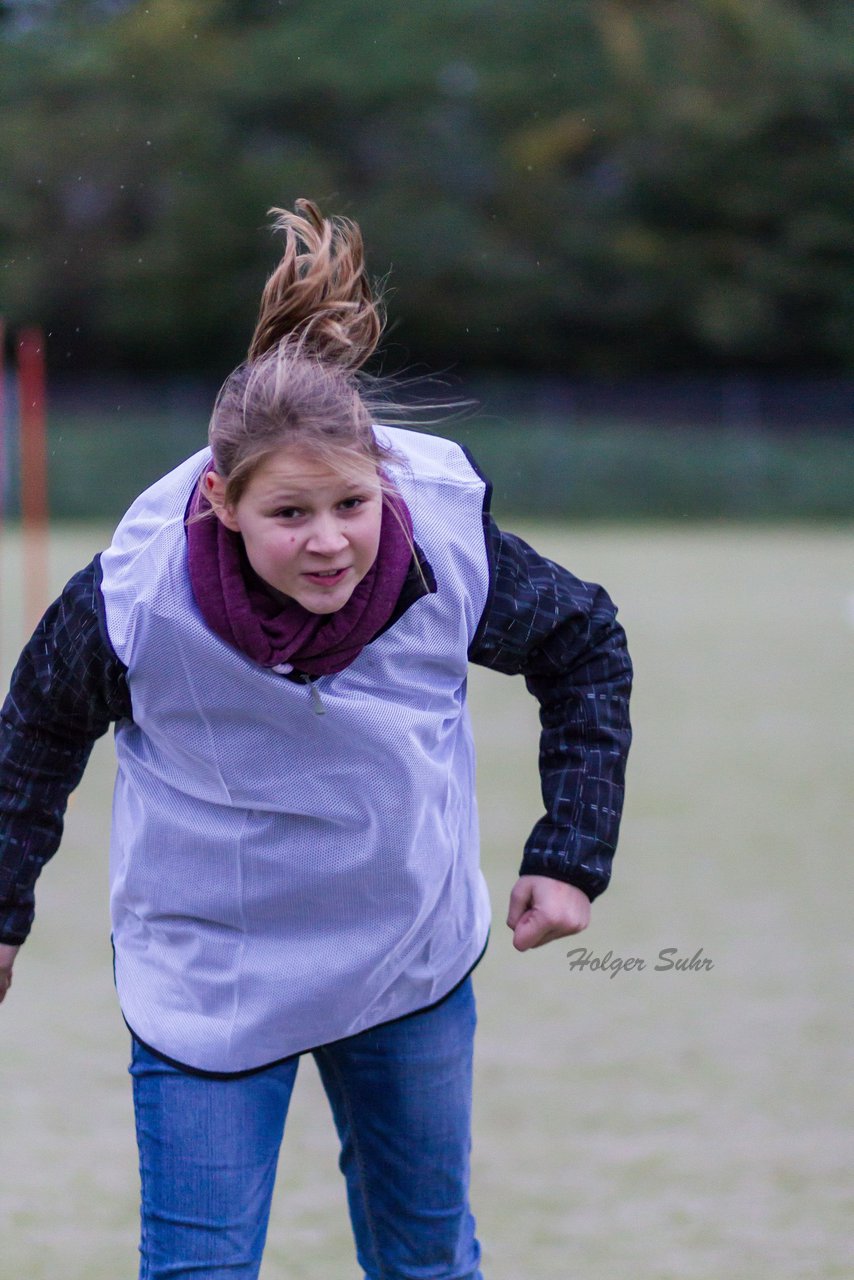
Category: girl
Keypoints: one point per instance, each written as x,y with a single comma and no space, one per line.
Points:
280,632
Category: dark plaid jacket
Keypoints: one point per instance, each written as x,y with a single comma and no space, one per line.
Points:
540,622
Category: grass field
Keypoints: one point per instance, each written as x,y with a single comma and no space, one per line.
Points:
662,1125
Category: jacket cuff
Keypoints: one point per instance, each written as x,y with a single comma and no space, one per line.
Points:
16,920
590,875
12,937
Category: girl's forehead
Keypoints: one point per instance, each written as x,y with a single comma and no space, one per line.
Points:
297,469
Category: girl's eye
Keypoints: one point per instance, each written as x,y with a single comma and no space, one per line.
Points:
350,504
288,513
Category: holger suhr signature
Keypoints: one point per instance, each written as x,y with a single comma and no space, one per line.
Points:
668,959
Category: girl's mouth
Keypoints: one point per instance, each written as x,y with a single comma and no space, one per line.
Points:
326,577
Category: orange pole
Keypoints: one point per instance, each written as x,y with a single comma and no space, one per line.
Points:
34,509
2,468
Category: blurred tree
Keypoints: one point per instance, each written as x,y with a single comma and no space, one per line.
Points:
603,185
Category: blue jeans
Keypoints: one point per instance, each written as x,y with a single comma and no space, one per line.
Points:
401,1100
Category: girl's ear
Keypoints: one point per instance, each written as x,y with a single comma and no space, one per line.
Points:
214,490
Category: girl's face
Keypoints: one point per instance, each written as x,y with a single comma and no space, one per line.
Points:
309,532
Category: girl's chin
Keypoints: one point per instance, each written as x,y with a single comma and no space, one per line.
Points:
324,599
314,596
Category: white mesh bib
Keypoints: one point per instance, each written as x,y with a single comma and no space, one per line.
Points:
281,879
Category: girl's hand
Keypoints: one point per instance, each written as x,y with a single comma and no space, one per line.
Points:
542,909
7,959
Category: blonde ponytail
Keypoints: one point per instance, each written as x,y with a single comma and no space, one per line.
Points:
319,294
301,385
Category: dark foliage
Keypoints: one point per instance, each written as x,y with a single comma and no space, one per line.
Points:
604,186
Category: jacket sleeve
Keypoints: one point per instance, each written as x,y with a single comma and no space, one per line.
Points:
561,634
67,687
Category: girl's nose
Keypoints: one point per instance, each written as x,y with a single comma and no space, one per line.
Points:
326,537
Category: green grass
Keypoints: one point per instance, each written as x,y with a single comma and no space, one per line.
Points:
658,1125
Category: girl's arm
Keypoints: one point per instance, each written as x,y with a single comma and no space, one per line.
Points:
561,634
67,687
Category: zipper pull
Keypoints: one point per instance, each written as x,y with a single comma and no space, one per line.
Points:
319,709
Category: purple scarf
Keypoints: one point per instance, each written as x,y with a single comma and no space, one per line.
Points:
237,605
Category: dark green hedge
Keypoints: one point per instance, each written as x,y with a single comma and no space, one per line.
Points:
609,471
